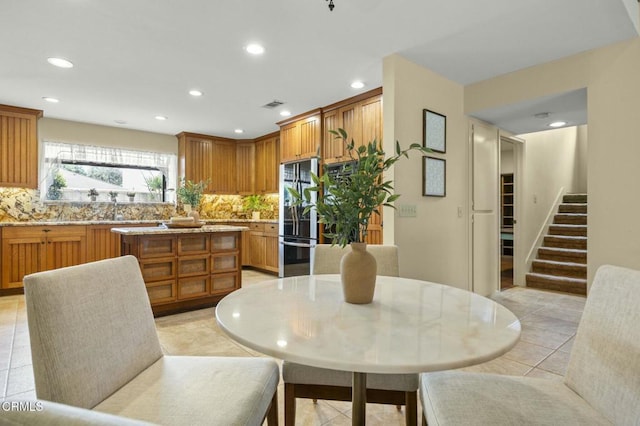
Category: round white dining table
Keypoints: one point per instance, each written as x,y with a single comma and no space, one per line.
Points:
411,326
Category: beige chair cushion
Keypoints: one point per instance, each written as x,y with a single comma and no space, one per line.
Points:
602,384
53,414
460,398
304,374
604,367
327,258
102,337
186,390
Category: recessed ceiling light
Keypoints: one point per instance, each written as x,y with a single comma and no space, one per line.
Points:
357,84
254,49
239,131
161,117
195,92
557,124
60,62
120,121
285,113
52,100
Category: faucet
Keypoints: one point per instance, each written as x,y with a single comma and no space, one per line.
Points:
116,216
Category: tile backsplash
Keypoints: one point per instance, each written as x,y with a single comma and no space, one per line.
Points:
24,205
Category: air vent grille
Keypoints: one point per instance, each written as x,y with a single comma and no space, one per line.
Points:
273,104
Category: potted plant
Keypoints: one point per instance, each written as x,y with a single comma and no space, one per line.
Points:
93,194
345,204
55,189
131,196
113,195
254,204
190,194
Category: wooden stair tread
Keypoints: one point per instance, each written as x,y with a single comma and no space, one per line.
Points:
563,250
560,263
568,237
557,278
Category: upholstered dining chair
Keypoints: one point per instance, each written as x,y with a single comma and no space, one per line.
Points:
303,381
94,345
601,385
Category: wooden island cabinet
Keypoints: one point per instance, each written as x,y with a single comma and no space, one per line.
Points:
186,268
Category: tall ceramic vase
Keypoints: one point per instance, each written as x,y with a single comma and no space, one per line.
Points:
192,212
358,271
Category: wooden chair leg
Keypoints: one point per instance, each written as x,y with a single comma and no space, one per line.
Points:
411,407
272,414
289,404
424,420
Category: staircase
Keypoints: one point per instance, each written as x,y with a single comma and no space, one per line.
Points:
561,263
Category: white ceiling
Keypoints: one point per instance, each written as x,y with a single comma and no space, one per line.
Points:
138,59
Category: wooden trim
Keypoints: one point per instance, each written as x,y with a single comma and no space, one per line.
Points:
203,136
275,134
19,110
302,116
353,99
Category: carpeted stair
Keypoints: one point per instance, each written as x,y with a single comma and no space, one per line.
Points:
561,263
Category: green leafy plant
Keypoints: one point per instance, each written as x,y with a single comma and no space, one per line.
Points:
113,195
93,193
254,203
191,193
55,189
350,198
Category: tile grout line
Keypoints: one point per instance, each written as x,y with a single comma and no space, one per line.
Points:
13,338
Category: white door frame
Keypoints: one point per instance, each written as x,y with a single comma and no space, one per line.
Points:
518,217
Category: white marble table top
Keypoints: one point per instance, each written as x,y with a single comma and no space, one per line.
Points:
411,326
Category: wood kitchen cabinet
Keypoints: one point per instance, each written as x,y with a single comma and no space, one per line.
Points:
264,246
246,163
29,249
19,147
267,164
360,117
104,244
208,158
300,137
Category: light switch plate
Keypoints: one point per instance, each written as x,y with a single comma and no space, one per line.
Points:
407,210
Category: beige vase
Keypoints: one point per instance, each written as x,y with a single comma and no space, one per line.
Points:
191,212
358,271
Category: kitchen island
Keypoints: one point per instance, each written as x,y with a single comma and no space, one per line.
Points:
185,268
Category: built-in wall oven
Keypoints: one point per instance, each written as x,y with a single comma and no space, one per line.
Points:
298,232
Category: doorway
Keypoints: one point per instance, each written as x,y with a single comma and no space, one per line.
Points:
507,212
510,189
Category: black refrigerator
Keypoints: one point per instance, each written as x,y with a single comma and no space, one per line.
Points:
298,231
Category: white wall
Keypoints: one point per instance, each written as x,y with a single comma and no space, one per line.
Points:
51,129
434,244
581,158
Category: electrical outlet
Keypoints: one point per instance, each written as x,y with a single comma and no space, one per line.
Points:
407,210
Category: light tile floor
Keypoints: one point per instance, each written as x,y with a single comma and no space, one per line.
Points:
549,322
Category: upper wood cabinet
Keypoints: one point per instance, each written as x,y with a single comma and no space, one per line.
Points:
300,137
360,117
19,147
267,164
245,165
202,157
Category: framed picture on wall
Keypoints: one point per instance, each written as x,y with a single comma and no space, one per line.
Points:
434,131
434,177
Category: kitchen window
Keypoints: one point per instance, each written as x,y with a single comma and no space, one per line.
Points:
69,171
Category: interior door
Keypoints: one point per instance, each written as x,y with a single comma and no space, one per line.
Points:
484,209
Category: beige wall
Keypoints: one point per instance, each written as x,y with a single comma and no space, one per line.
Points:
610,75
506,161
51,129
434,244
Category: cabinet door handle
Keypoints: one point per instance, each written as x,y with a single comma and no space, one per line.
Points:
42,242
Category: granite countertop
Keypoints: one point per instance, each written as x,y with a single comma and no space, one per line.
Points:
155,230
127,222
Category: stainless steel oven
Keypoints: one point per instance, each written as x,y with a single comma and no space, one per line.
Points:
298,232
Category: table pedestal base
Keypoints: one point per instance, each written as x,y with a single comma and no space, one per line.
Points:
359,399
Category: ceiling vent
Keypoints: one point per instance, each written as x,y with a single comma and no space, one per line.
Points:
273,104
